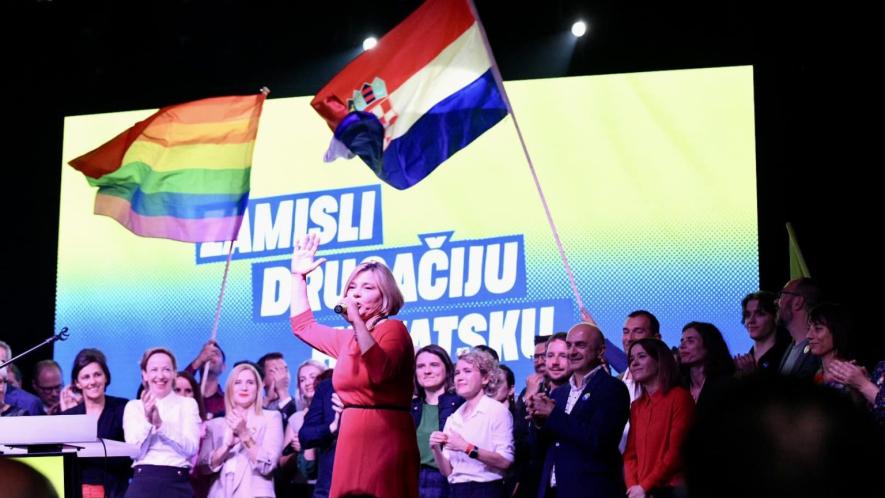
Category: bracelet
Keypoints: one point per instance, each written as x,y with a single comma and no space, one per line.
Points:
469,448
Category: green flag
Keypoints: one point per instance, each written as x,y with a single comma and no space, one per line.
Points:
798,268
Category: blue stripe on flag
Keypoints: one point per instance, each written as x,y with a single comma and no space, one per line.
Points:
191,206
445,129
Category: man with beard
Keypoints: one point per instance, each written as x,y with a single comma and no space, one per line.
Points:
793,304
579,425
550,373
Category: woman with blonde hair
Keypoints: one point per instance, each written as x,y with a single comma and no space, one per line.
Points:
476,446
166,429
242,449
306,376
373,377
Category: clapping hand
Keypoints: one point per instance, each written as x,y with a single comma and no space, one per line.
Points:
745,363
455,442
438,439
151,412
230,440
846,372
540,406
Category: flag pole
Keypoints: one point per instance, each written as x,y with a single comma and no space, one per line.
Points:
265,91
217,316
585,313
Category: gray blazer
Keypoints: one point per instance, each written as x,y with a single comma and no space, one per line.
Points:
237,476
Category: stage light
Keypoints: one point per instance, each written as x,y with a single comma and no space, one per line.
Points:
579,29
369,43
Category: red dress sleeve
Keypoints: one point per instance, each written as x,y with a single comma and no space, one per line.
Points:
321,337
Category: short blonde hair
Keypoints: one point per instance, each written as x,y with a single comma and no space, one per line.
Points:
306,363
229,388
487,366
391,298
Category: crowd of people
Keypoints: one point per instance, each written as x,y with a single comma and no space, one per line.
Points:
394,423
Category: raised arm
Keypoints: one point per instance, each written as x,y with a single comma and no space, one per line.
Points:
320,337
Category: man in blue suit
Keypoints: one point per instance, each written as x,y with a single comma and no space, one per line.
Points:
579,426
15,396
320,431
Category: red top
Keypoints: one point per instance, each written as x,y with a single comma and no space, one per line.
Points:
657,427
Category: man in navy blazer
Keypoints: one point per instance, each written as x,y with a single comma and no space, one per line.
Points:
15,396
320,431
579,426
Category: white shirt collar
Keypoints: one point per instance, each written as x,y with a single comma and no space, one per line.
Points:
573,382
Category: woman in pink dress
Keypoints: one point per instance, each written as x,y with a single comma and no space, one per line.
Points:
377,452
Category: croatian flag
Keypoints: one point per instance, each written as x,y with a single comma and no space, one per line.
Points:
423,93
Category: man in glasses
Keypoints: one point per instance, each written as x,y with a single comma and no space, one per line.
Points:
19,397
48,385
793,303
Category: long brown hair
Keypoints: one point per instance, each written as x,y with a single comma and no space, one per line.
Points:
668,370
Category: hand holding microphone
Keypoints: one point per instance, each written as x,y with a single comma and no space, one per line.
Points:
348,309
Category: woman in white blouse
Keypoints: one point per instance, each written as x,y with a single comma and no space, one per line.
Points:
166,429
475,447
242,449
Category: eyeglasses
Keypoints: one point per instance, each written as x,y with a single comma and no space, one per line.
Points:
49,389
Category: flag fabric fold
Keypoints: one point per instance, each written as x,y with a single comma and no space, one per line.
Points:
423,93
183,173
798,268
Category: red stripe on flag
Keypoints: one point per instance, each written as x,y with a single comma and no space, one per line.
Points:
401,53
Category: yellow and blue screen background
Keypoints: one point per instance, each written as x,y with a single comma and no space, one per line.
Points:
650,178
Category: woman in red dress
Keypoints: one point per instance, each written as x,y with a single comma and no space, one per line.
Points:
377,452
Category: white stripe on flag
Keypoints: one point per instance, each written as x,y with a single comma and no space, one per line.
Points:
458,65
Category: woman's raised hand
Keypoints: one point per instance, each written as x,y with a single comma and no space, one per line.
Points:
303,261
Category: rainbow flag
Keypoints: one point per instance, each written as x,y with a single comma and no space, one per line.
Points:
426,91
183,173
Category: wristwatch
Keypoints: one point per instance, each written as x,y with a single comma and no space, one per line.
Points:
472,451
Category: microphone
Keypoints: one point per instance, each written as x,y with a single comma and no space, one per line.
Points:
340,308
62,335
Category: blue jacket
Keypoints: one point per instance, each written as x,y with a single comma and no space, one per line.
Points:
24,400
448,403
583,445
315,433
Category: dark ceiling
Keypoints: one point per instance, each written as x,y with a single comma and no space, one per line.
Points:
75,57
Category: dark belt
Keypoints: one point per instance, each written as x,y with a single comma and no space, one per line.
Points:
379,407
